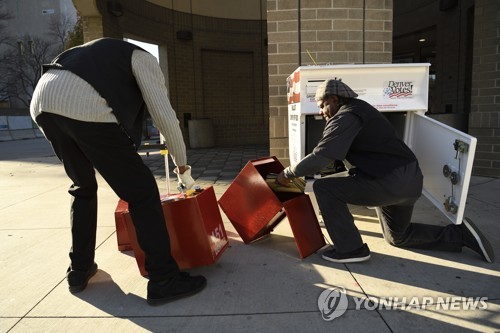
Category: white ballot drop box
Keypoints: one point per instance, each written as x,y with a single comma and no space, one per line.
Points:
400,91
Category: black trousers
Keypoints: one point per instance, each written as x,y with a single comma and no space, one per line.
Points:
85,146
394,195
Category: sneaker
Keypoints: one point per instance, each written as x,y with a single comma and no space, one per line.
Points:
78,280
359,255
181,285
475,240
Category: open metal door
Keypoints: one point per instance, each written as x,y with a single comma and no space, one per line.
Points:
445,155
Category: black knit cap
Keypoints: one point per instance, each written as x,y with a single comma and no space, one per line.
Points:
334,87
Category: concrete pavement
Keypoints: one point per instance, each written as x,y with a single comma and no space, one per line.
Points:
260,287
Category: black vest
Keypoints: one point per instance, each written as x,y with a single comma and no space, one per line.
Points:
106,64
377,149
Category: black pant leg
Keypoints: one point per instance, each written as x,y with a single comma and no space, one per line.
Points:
112,154
395,218
395,196
335,193
83,191
417,235
338,220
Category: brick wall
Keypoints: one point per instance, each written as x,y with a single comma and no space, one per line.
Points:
328,31
92,27
484,120
220,73
320,32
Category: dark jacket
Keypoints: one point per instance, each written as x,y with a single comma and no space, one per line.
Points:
106,64
376,149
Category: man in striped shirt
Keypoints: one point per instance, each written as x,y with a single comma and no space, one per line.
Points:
90,103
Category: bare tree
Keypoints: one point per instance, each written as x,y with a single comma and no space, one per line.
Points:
75,36
21,67
21,59
4,17
60,26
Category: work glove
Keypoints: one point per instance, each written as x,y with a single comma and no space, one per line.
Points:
185,181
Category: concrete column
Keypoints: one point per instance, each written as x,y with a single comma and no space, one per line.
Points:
92,19
92,28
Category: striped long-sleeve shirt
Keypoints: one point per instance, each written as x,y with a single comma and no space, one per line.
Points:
66,94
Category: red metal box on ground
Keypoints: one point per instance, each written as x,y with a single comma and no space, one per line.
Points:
195,226
255,209
121,212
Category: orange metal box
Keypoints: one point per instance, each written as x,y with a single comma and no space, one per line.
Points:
195,226
121,212
255,209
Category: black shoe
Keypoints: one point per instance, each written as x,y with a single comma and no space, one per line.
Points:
475,240
359,255
78,280
181,285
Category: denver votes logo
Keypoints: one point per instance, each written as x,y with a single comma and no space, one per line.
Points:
398,89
